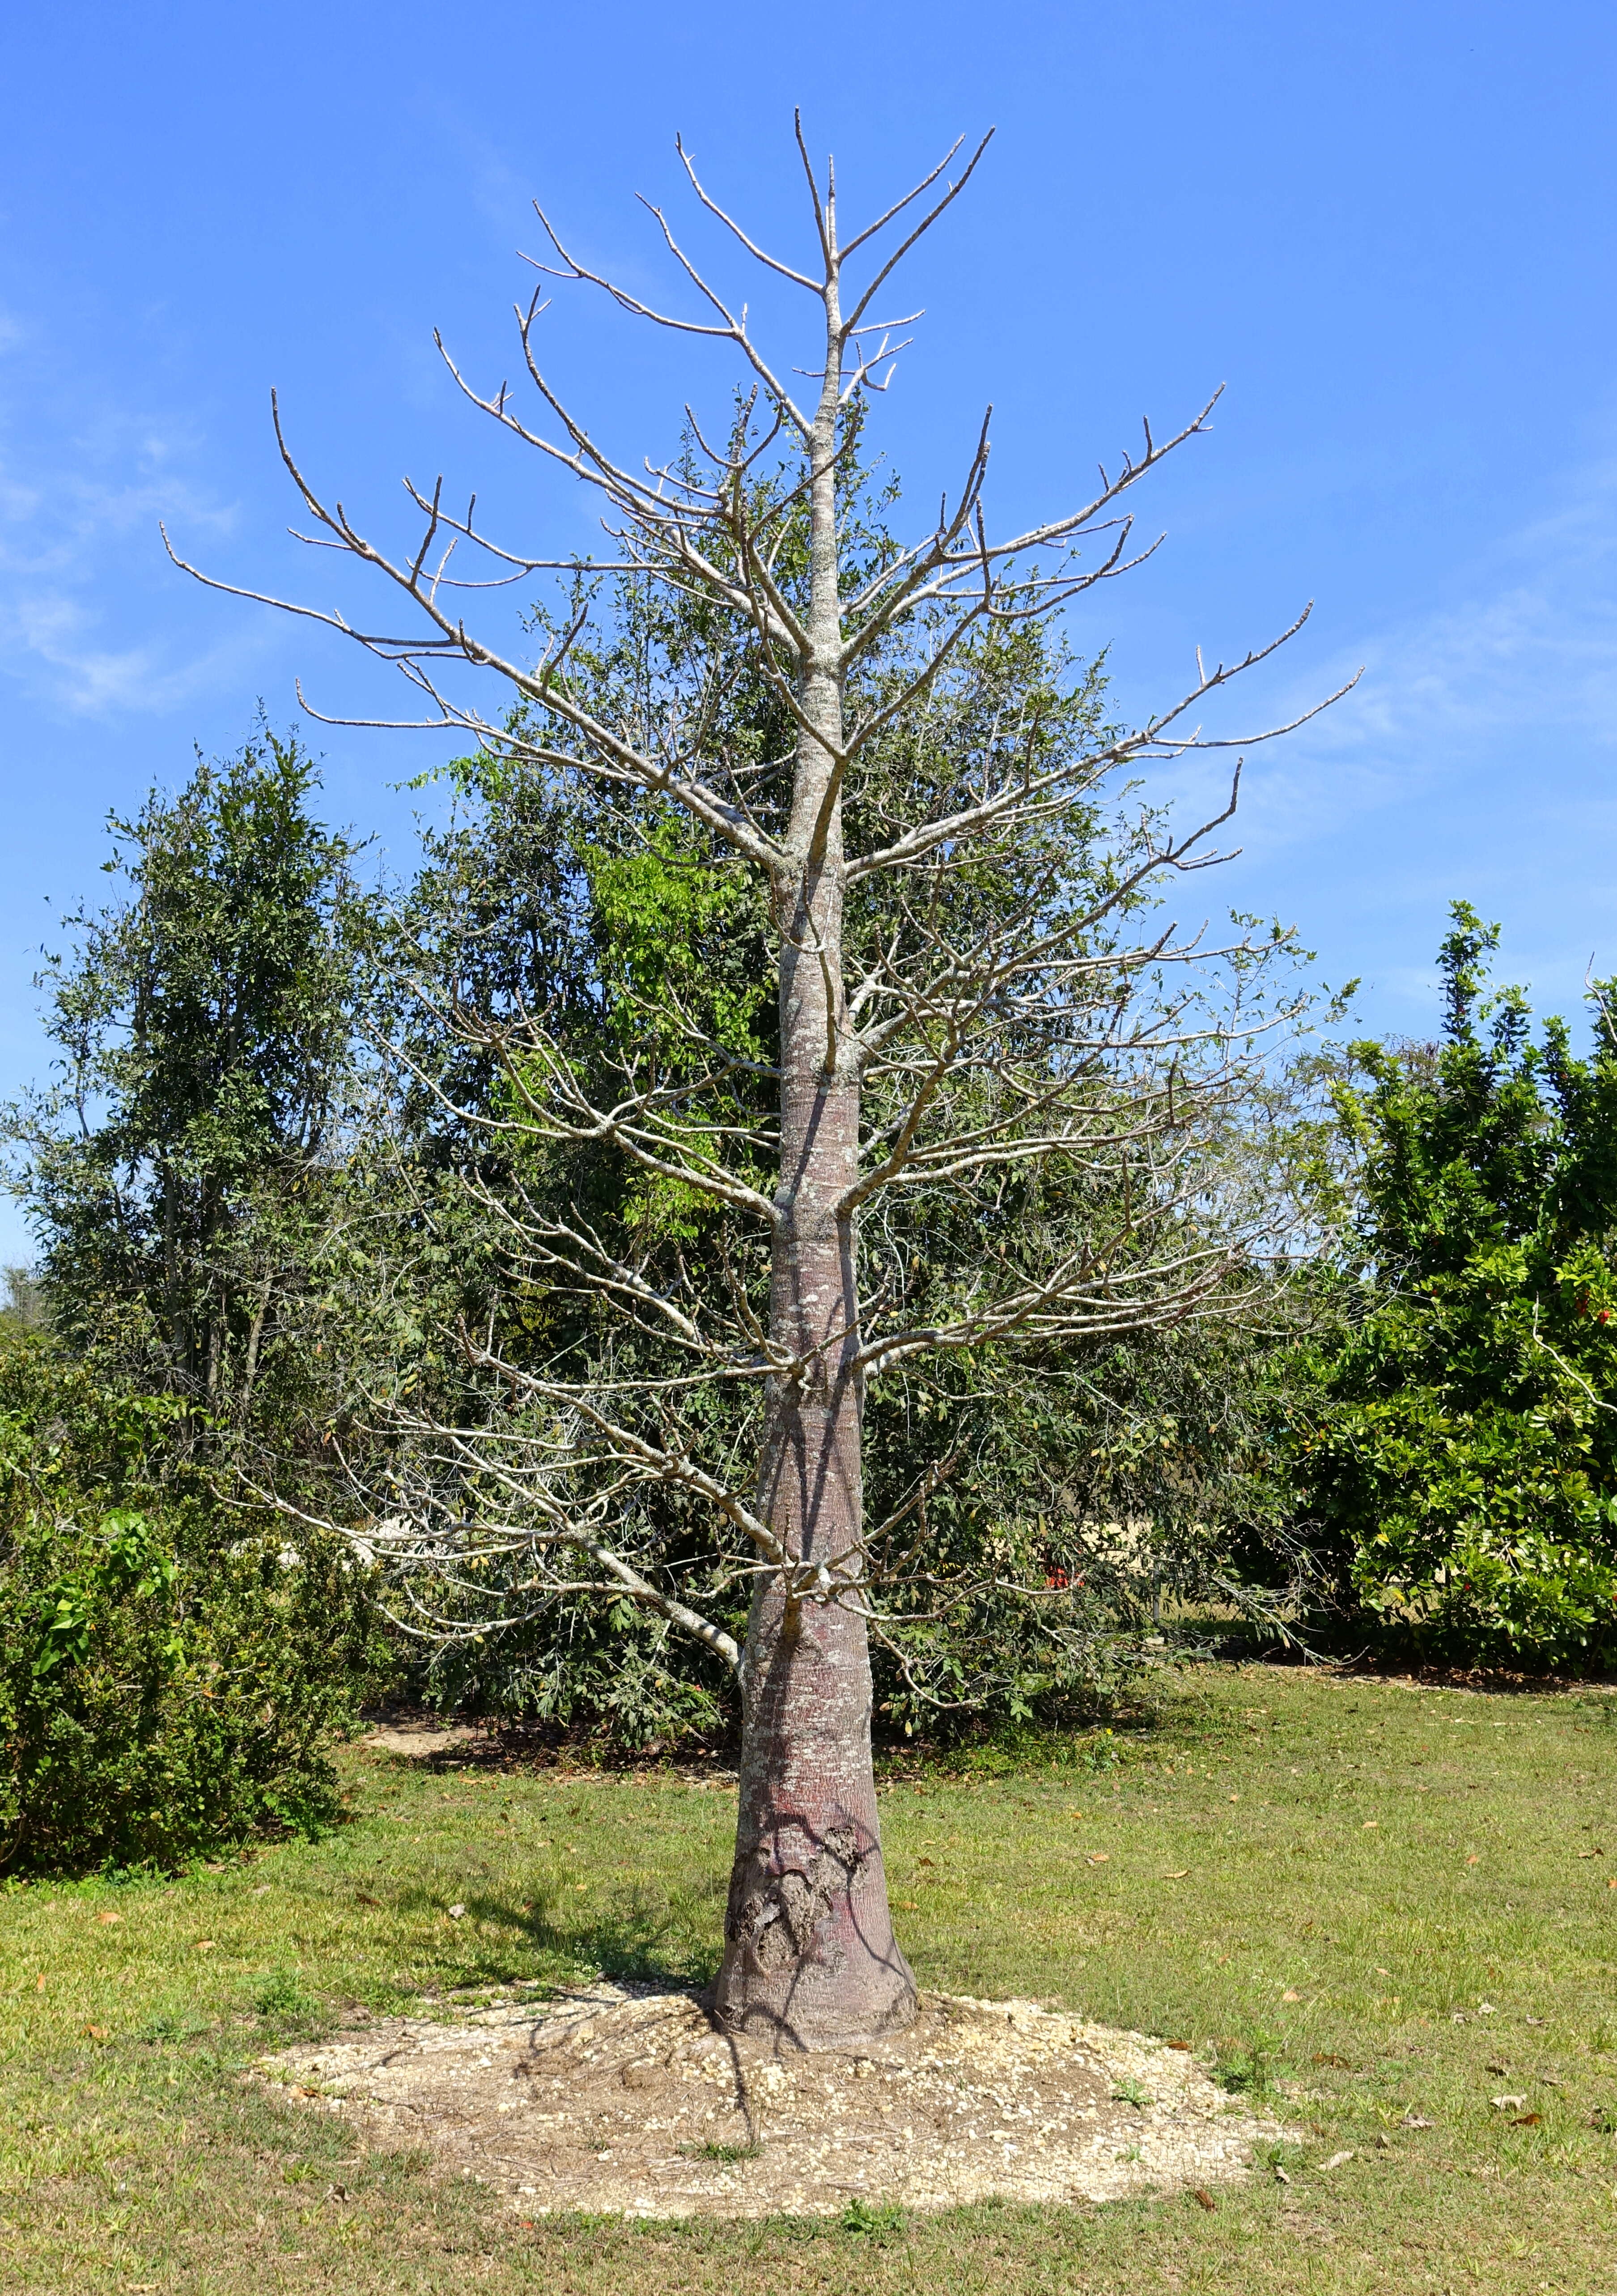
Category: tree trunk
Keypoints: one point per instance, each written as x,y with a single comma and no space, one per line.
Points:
809,1951
810,1956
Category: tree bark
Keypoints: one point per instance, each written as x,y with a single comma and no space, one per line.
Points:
809,1951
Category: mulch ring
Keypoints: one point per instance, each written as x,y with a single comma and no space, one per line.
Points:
623,2100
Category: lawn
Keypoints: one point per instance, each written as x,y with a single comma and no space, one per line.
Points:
1394,1903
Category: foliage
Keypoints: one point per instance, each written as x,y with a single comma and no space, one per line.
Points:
24,1300
1012,1482
203,1025
1460,1475
165,1685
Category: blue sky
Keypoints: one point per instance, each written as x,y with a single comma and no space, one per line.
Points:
1387,229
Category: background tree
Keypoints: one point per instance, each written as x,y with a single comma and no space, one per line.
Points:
172,1675
204,1027
1084,1481
174,1664
24,1300
929,1040
1460,1478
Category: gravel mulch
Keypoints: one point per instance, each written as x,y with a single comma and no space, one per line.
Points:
627,2101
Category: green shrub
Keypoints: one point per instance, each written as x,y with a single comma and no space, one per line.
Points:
172,1676
1459,1475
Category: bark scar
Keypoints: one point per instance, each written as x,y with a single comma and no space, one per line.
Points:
777,1922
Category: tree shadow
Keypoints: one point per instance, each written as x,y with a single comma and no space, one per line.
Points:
645,1936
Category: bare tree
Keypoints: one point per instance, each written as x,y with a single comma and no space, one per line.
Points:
926,1047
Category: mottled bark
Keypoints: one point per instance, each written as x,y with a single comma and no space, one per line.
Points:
809,1950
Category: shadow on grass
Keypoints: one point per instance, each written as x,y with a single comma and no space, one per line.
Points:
1249,2067
643,1936
285,2008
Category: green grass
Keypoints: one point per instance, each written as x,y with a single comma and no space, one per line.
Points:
1309,1878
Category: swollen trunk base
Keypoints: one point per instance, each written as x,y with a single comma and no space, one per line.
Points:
810,1957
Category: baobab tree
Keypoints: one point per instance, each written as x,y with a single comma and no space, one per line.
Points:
934,1041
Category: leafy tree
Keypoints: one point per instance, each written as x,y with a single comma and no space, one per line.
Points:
1075,1482
174,1663
1460,1477
203,1026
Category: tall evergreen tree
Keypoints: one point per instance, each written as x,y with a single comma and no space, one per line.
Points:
1063,1484
204,1028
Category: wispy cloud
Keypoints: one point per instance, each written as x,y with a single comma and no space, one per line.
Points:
79,503
57,634
1477,756
1523,661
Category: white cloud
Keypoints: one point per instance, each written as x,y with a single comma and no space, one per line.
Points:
1474,757
1523,665
79,512
58,634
